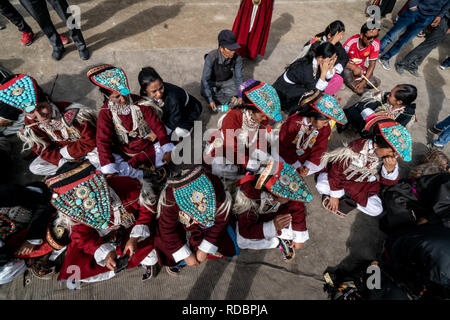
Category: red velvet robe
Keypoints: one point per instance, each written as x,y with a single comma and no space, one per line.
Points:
254,42
358,191
233,120
76,149
142,149
251,223
171,234
288,134
86,240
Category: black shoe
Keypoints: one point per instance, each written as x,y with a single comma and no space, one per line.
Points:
174,271
435,130
57,53
400,69
84,54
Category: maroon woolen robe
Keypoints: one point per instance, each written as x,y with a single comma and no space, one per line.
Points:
254,42
171,233
358,191
288,135
142,149
86,240
251,223
76,149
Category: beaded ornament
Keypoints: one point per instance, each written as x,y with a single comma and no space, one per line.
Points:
113,79
288,184
329,106
196,200
20,92
7,226
266,99
89,202
398,137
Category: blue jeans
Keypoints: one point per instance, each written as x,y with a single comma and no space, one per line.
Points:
444,137
413,22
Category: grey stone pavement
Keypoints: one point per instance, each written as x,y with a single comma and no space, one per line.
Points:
173,37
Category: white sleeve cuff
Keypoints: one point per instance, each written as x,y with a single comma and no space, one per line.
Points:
312,167
366,113
269,230
300,236
35,242
296,164
62,161
65,154
339,68
101,253
110,168
208,247
321,85
390,176
330,74
181,253
160,152
337,193
140,231
253,165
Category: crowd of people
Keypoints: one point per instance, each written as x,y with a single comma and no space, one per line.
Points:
114,196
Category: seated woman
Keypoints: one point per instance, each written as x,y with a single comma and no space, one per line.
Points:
305,74
270,209
108,218
304,136
58,132
396,104
355,173
25,212
193,201
243,136
333,34
130,137
176,108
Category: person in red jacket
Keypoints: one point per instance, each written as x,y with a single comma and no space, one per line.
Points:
304,136
193,201
270,209
58,132
357,172
130,137
244,133
108,218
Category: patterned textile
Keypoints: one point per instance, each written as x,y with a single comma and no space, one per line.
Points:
20,92
266,99
111,78
283,181
196,198
329,106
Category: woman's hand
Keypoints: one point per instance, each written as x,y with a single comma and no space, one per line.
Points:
111,260
131,246
333,204
282,221
296,245
26,248
191,260
201,256
151,136
389,163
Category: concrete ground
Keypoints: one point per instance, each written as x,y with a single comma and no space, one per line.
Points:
173,37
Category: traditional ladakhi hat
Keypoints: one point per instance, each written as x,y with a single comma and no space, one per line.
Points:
20,92
82,193
195,196
263,96
326,105
109,77
394,133
283,181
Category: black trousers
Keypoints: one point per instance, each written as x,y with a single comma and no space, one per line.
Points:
60,7
414,59
39,11
8,10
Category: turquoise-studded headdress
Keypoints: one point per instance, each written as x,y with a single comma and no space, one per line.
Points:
196,198
396,135
110,77
83,195
20,92
263,96
283,181
326,105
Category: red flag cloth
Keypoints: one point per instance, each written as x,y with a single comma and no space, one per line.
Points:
254,42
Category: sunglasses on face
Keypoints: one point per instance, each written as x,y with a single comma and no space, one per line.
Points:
371,38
